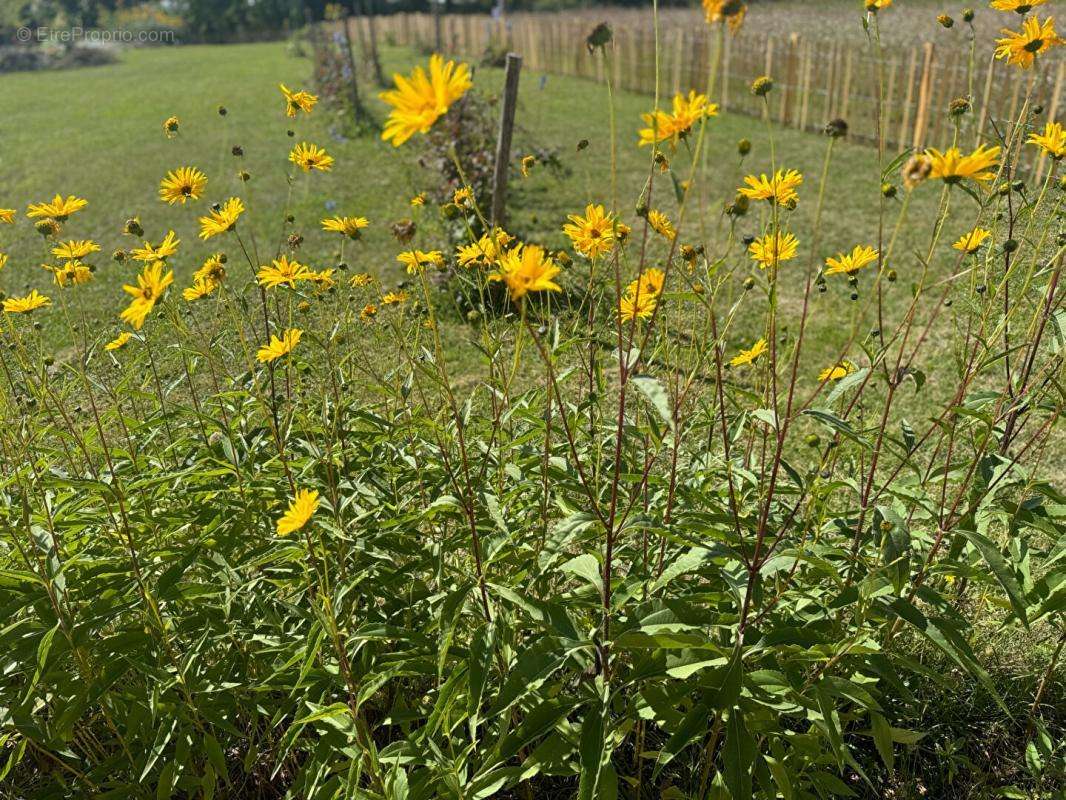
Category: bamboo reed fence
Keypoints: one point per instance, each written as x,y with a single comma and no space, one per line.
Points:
815,80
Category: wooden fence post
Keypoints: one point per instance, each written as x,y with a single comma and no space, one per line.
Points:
503,143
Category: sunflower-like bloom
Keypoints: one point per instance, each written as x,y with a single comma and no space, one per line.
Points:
526,268
3,260
181,184
687,111
770,250
839,370
952,166
593,234
416,260
485,250
1034,39
283,272
649,283
151,284
73,273
222,218
662,224
24,305
877,5
420,100
728,11
1052,141
298,101
850,263
369,312
636,306
299,512
969,243
1017,6
346,226
170,127
160,252
200,289
360,279
418,200
780,189
213,269
279,347
58,209
322,278
463,196
748,356
399,297
7,215
75,249
118,341
310,156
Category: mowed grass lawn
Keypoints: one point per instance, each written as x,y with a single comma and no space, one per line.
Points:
97,133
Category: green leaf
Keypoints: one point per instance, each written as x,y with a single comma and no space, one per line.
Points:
1002,570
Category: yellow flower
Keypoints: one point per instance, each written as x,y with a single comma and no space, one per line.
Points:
485,250
346,226
75,249
310,156
299,512
415,260
360,279
419,199
687,111
729,11
839,370
181,184
649,284
323,278
279,347
636,306
1052,141
780,189
369,312
59,209
420,100
7,215
283,272
151,284
3,260
399,297
852,262
952,166
877,5
24,305
297,101
463,196
200,288
594,234
1018,6
662,224
213,269
970,242
118,341
771,249
73,273
221,219
170,127
526,268
748,356
166,248
528,162
1022,47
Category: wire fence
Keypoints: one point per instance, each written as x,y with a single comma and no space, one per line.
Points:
815,79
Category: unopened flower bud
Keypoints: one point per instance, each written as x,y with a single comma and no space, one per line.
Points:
836,128
762,86
959,107
967,15
946,21
744,147
888,190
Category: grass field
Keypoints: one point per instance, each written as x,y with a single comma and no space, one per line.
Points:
74,126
